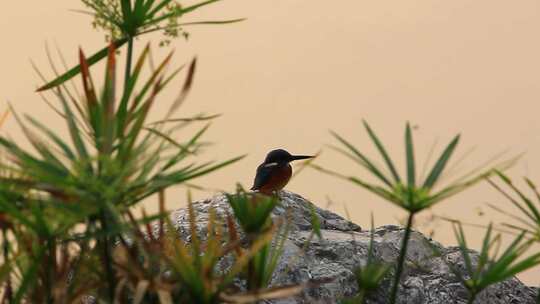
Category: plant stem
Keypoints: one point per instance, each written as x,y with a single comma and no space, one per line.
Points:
5,244
51,268
107,258
8,291
538,295
362,296
252,281
129,59
472,297
401,259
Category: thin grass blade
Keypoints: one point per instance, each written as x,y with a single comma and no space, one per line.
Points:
76,70
441,164
383,152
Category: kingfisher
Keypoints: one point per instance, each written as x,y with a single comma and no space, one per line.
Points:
274,173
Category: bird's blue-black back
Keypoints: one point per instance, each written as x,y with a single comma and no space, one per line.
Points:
263,176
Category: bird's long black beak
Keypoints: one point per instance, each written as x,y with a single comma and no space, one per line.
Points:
298,157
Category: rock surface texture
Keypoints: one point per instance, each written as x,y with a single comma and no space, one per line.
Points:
344,245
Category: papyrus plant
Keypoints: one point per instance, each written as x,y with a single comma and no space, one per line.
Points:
406,191
369,275
253,213
527,206
113,158
493,264
159,266
41,263
124,20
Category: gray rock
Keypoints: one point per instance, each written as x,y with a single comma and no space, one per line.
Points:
343,246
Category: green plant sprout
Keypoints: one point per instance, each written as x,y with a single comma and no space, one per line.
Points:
252,210
195,264
253,213
370,275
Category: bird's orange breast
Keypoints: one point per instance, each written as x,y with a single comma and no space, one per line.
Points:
278,179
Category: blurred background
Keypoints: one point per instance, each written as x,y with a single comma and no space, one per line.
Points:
296,69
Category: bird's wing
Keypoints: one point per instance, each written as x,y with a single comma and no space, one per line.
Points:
264,172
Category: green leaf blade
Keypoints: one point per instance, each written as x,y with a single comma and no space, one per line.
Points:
382,151
77,69
441,164
411,170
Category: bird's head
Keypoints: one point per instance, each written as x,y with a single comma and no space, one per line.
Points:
281,156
